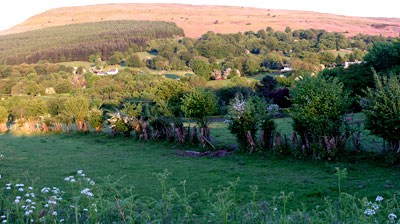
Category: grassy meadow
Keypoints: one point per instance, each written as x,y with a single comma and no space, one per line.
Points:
44,160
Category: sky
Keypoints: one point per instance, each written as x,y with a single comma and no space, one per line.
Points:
17,11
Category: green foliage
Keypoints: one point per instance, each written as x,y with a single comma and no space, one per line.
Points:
249,116
199,104
382,109
318,108
134,61
168,94
383,56
95,119
77,108
3,115
83,40
63,87
201,68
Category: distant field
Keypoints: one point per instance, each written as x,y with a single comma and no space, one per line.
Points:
84,64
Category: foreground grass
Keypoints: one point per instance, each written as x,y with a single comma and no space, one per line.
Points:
44,160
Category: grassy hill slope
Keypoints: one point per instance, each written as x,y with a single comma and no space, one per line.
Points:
196,20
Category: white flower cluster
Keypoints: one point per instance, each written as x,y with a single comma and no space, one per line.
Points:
117,117
239,105
4,218
70,179
392,217
372,207
87,192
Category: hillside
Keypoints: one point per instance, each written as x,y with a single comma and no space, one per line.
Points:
196,20
78,41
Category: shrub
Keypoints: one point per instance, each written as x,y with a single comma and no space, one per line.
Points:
383,110
318,107
199,104
3,119
248,117
95,119
77,107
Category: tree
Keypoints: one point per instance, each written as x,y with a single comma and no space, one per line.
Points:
339,60
113,60
77,107
201,68
3,119
92,58
246,117
318,108
63,87
266,86
383,56
95,119
382,109
198,105
134,61
288,30
326,57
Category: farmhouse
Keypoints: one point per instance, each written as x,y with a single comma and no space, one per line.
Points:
286,69
347,64
112,71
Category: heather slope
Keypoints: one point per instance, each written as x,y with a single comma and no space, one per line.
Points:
196,20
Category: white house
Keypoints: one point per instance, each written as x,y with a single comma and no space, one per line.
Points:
286,69
112,71
347,64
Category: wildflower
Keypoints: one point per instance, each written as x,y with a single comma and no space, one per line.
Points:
4,221
82,175
92,182
369,212
392,217
8,188
19,185
20,189
375,206
8,185
62,220
3,216
16,201
80,172
45,190
30,188
18,197
67,179
32,195
73,181
28,201
85,209
54,213
379,198
0,176
87,192
46,205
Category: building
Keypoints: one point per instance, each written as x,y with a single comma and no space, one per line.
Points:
112,71
286,69
347,64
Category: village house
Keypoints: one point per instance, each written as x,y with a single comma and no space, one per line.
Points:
112,71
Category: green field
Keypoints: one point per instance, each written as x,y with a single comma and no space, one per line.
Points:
44,160
83,64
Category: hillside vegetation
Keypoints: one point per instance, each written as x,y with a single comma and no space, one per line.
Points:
78,41
196,20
